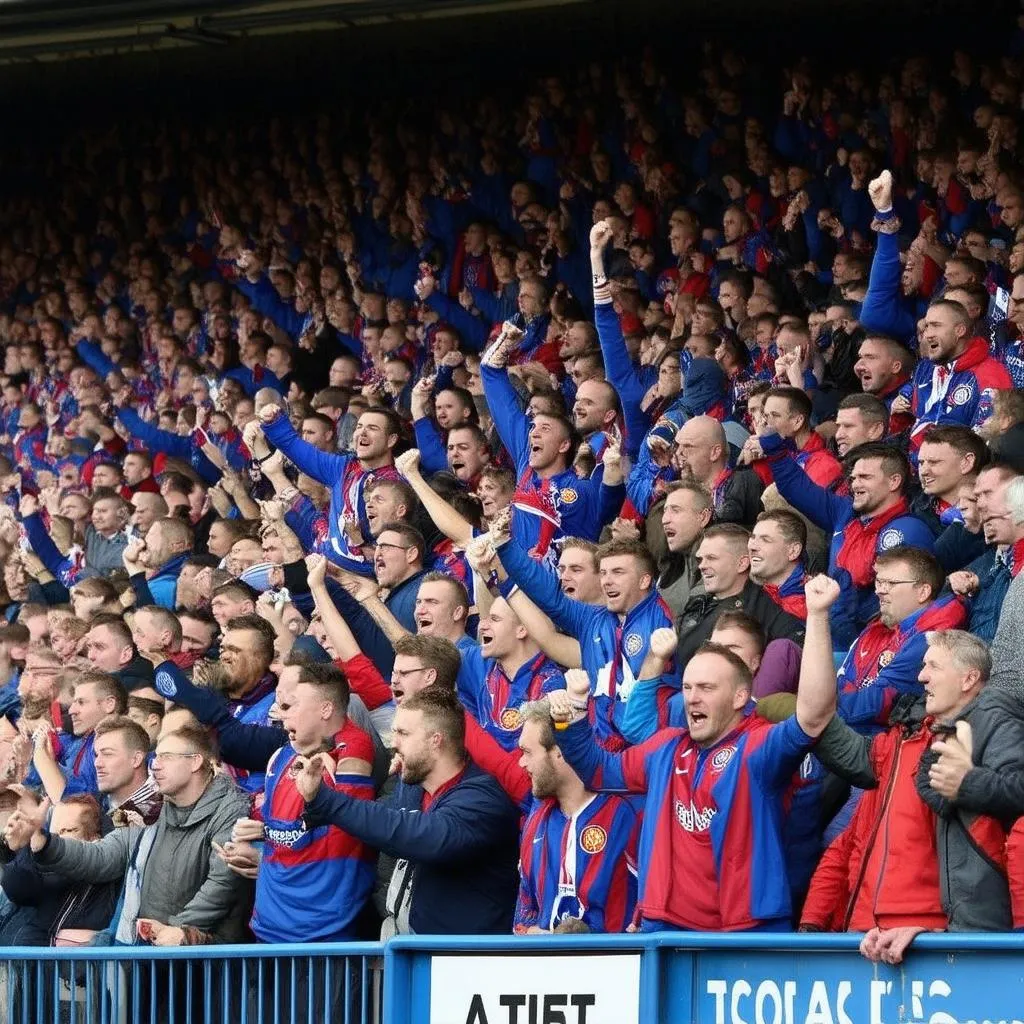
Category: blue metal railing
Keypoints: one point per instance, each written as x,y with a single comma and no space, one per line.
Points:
593,979
256,984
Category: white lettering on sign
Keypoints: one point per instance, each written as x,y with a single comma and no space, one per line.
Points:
540,989
832,1002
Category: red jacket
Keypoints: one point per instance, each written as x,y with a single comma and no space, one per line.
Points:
1015,872
884,885
813,458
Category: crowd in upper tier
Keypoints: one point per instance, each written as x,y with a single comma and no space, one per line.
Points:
601,512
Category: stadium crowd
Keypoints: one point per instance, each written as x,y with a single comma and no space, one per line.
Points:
598,512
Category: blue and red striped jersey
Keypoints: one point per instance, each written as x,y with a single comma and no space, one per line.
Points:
718,810
494,700
581,866
312,882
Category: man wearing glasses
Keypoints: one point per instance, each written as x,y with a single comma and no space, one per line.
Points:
391,600
885,660
175,893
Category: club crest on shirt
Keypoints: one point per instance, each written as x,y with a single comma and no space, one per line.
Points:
510,719
891,538
961,395
885,658
634,643
164,683
593,839
568,495
721,758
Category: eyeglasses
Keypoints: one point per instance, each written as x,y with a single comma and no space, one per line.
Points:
397,547
398,674
886,585
164,755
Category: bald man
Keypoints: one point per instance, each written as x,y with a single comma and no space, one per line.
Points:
702,454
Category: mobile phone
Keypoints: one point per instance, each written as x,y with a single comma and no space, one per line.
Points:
943,730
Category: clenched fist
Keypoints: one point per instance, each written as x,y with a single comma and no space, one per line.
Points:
821,593
663,643
880,190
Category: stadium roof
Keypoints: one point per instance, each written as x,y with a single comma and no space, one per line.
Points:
34,31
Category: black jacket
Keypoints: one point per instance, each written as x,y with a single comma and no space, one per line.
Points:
463,850
138,673
58,902
697,622
741,502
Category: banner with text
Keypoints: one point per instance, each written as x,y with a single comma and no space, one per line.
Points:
547,989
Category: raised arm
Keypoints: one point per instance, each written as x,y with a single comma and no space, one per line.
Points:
322,466
245,746
882,309
502,399
821,506
155,439
565,650
622,374
62,568
816,693
457,529
542,588
599,769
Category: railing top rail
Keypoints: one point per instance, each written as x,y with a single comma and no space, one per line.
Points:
687,941
248,952
731,942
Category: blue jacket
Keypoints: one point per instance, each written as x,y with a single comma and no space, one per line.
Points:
178,447
581,507
884,662
612,650
884,310
994,577
967,396
463,846
834,514
346,478
956,547
78,764
164,585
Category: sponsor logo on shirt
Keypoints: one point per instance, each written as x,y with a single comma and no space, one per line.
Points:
283,836
692,819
